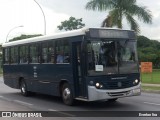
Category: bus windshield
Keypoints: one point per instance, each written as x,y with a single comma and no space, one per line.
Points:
112,57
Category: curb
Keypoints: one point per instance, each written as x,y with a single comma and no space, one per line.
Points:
151,91
150,85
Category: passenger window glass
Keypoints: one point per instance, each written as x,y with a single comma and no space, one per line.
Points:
23,54
48,52
51,52
66,52
6,57
62,51
34,57
44,52
14,55
59,52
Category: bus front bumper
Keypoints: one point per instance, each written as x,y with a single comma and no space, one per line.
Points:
95,94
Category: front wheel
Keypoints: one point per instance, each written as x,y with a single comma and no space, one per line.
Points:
23,88
67,94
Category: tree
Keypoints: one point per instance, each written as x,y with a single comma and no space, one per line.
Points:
71,24
148,51
24,37
120,9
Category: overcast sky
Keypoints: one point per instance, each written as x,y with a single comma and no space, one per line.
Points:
26,13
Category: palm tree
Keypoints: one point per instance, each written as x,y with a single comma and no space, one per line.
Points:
120,9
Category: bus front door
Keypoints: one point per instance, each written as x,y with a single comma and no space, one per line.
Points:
78,71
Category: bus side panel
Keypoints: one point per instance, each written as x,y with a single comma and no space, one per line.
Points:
50,75
41,78
13,73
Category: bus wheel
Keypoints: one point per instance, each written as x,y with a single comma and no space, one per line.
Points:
23,88
112,100
67,95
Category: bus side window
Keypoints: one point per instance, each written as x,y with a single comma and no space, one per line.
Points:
6,56
62,51
44,52
34,58
59,51
23,50
51,56
14,55
66,51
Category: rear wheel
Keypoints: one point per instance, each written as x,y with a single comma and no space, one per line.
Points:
23,88
67,94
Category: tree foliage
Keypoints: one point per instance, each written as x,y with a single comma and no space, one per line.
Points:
71,24
148,51
119,9
24,37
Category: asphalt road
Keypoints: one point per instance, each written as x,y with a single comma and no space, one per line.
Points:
11,99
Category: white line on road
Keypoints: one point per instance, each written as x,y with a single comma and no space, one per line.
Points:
1,96
151,103
52,110
21,102
71,115
4,98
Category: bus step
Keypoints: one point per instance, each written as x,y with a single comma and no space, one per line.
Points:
82,99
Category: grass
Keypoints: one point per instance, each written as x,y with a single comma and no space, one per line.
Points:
1,71
150,88
152,78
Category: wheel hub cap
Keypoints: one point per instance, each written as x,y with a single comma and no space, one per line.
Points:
23,89
66,93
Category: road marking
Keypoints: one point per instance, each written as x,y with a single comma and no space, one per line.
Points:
71,115
4,98
21,102
1,96
151,103
52,110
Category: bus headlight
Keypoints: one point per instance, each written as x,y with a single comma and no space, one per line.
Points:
136,81
98,85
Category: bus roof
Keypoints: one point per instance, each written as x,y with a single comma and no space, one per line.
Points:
54,36
46,37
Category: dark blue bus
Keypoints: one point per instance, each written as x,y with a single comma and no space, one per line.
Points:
86,64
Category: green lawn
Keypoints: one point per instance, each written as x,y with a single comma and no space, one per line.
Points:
153,78
150,88
1,71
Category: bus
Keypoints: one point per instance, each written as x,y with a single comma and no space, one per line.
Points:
89,64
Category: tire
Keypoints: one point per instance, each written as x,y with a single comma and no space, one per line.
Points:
67,94
112,100
23,88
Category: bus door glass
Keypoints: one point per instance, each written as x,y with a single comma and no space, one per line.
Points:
77,69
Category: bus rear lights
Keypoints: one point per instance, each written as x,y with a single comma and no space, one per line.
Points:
135,81
98,85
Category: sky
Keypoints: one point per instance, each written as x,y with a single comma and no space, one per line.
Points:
28,15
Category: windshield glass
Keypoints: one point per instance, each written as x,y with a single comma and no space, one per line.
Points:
111,57
102,58
127,57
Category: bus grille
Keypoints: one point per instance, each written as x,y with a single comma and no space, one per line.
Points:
118,84
116,94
